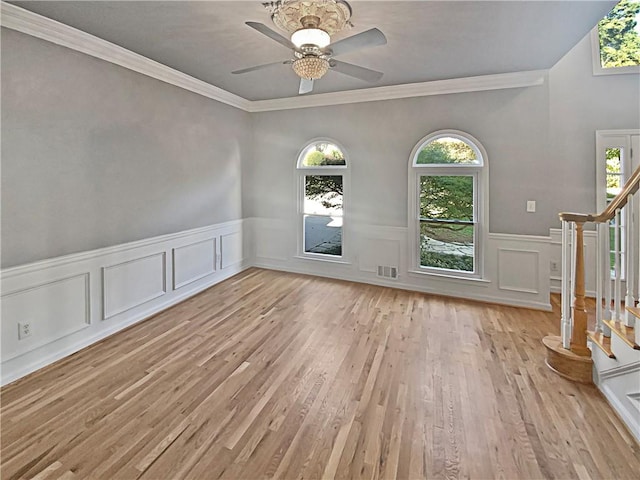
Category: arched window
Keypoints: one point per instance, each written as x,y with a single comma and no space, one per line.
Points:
448,183
322,183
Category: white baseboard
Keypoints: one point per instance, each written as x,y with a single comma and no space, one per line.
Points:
412,287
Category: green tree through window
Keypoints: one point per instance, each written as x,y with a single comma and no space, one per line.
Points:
619,36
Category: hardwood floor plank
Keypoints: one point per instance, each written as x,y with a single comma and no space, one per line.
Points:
277,375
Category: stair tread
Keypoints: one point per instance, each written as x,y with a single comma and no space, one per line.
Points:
627,334
604,343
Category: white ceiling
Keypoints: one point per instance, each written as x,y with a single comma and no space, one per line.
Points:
427,40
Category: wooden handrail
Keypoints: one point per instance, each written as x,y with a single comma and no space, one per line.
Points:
618,202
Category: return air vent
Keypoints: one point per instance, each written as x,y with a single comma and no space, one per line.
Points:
388,272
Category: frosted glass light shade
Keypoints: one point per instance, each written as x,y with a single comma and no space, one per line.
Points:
310,36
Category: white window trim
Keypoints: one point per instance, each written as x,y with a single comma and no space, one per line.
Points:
301,173
598,69
611,139
614,139
481,192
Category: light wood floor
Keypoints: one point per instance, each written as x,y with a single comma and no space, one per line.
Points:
279,375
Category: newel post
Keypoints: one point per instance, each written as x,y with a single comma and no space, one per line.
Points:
579,327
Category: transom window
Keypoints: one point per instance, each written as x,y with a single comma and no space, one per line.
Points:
616,40
446,204
322,178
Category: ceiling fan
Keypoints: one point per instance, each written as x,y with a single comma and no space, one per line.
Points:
313,52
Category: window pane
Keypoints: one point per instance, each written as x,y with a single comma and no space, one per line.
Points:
446,197
447,150
613,160
323,194
323,235
447,246
614,186
322,154
620,35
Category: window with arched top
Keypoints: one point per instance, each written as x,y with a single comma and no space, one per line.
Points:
322,178
448,183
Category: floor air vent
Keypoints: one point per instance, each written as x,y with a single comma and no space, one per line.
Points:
388,272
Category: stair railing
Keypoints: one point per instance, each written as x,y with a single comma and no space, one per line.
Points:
616,267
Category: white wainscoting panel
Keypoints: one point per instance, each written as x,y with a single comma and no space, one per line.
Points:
368,246
53,310
518,270
230,249
193,262
130,284
272,239
66,298
377,251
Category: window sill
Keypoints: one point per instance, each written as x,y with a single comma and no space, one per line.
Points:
322,259
452,277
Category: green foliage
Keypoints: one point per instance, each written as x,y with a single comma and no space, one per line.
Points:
314,158
446,260
446,197
613,169
325,154
325,188
446,150
619,40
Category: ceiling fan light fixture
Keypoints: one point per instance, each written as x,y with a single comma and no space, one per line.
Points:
310,67
310,36
289,15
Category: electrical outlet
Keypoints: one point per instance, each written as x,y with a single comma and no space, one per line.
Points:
554,266
24,330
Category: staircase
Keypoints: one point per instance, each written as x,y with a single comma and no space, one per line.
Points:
608,354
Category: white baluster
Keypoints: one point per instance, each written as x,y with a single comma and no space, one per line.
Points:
617,290
629,299
606,276
600,279
566,289
635,245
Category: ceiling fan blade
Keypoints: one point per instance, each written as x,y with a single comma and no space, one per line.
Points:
369,38
306,86
362,73
262,28
260,67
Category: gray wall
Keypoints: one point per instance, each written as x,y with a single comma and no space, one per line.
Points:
379,137
95,155
539,140
580,104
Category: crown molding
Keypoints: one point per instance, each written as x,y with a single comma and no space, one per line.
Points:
24,21
438,87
